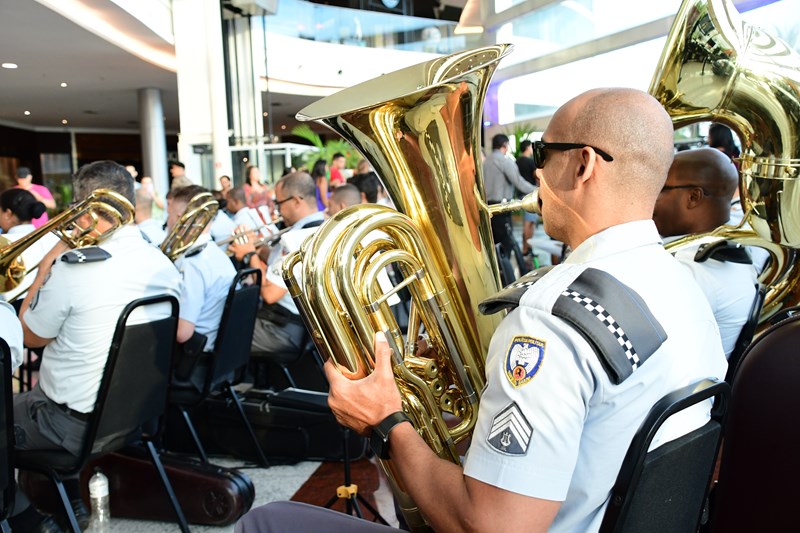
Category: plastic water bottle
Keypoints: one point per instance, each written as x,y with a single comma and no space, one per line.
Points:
98,494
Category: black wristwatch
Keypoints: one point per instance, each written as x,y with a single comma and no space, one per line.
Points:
247,257
379,441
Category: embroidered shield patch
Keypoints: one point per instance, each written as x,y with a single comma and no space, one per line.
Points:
524,359
510,432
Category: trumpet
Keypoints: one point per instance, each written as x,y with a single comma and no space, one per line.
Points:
112,205
242,233
268,241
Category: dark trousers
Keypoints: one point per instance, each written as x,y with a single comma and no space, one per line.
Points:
502,232
285,517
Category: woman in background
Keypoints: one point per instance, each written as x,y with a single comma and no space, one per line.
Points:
256,194
320,174
18,208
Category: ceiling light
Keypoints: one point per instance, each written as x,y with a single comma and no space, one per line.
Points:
63,84
244,160
64,121
266,114
26,112
283,126
9,65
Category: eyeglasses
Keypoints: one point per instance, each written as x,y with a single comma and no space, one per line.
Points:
671,187
279,202
540,146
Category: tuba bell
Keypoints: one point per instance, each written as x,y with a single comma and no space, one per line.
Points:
715,67
199,212
419,127
113,206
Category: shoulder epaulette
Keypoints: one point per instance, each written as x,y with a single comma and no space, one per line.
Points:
508,297
196,250
613,319
87,254
725,251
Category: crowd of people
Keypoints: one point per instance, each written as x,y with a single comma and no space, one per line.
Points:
554,424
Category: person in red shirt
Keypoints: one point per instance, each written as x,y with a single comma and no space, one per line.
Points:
337,164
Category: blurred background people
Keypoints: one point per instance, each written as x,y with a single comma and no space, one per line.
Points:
40,192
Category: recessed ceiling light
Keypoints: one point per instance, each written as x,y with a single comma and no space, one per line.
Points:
266,114
63,84
64,121
9,65
244,160
283,126
26,112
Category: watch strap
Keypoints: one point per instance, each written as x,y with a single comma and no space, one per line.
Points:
380,433
247,257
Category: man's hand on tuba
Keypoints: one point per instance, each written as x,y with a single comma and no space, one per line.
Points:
364,403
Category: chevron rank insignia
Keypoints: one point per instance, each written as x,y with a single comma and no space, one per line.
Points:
523,360
510,433
87,254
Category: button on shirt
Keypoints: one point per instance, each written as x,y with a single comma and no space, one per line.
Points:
78,308
206,280
576,425
501,177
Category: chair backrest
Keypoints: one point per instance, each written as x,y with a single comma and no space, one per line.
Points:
133,390
6,433
235,334
664,489
507,276
746,335
758,488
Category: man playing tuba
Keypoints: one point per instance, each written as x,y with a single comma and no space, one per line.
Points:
552,433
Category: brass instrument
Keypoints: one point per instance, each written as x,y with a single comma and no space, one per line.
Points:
200,211
717,68
270,240
102,201
420,129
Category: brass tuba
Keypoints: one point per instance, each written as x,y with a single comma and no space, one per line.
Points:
419,127
200,211
717,68
110,204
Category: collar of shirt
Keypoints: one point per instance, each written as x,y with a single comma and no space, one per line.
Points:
21,229
615,239
313,217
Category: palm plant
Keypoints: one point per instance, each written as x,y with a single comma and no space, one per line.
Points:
325,150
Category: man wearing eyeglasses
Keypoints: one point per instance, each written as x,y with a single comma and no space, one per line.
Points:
696,199
584,353
279,329
501,178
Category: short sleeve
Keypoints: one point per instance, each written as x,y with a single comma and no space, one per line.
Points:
192,290
11,332
532,412
45,193
51,305
275,273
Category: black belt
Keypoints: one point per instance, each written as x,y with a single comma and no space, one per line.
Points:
83,417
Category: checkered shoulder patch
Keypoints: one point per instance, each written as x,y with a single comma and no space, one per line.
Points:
87,254
614,319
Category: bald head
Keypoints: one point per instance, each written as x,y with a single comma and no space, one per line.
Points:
697,195
583,192
636,130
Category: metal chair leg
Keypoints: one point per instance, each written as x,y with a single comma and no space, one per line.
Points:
193,433
235,397
62,492
168,486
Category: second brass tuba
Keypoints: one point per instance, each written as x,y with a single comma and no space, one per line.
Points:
419,127
715,67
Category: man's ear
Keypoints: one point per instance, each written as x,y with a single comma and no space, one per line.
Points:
695,197
586,164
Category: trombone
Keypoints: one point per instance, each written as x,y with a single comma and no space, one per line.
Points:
200,211
112,205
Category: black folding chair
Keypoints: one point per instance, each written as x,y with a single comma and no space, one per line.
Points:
758,488
746,335
229,358
665,489
132,394
6,439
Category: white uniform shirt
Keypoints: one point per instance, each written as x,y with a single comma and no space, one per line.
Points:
249,217
575,426
729,288
274,270
222,227
206,280
154,230
78,308
11,332
31,257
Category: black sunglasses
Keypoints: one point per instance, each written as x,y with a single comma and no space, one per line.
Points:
540,146
279,202
671,187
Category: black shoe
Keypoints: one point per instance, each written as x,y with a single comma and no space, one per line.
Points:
49,525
